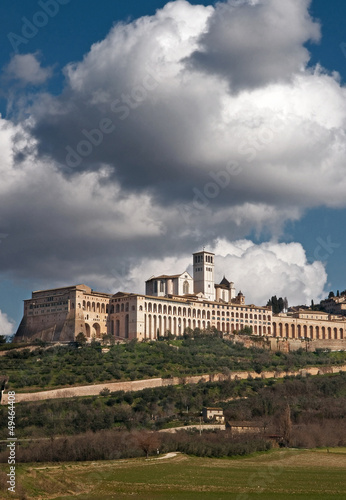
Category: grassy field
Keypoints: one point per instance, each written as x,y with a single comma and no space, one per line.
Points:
276,475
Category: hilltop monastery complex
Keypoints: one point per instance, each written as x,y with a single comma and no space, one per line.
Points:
171,303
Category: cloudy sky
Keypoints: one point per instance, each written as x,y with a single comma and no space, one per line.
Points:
135,133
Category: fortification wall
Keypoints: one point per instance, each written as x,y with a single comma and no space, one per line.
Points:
287,345
56,327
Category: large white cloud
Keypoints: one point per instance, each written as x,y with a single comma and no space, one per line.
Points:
271,268
258,270
7,326
156,147
174,127
253,43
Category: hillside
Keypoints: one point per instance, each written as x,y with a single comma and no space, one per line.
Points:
63,366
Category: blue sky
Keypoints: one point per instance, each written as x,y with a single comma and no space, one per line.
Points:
60,249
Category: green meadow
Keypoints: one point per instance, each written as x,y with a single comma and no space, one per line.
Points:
275,475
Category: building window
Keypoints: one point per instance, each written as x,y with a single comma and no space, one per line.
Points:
185,287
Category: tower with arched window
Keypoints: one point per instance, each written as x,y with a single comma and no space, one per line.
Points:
203,274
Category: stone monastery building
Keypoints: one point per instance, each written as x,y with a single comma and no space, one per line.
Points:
171,303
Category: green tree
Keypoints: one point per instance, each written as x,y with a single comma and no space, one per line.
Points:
277,304
81,339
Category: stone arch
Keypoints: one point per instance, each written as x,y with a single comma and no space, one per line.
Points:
154,326
126,326
299,331
96,330
149,326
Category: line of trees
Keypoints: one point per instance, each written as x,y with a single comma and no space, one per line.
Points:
278,304
117,444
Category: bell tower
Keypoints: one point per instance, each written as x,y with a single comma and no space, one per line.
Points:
203,274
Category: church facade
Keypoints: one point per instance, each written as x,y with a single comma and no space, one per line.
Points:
171,303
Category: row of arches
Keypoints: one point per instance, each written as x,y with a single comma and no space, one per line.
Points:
198,313
157,325
93,306
296,331
93,330
176,310
119,308
120,327
231,327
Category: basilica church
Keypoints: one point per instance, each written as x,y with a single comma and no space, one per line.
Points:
171,304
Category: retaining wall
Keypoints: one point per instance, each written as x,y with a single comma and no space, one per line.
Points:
137,385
